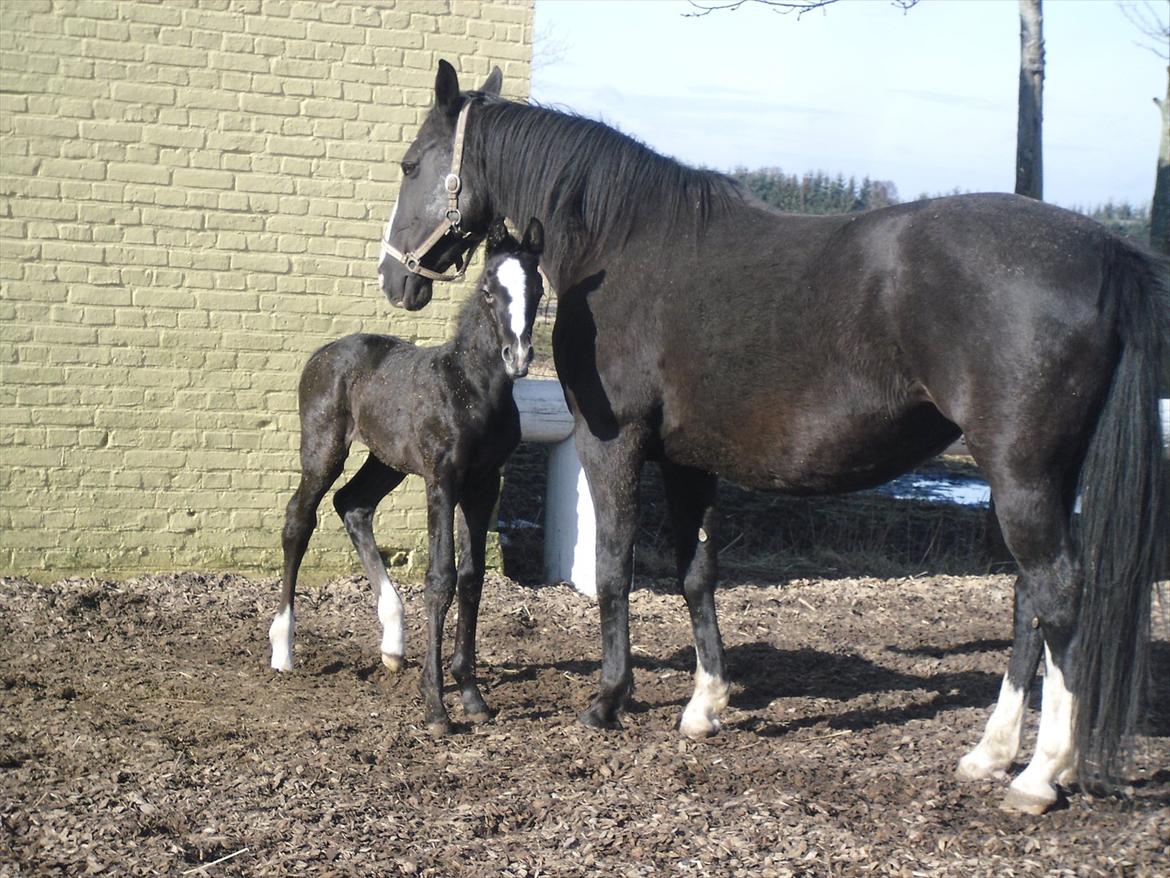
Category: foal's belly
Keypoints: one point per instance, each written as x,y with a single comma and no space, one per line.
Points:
821,450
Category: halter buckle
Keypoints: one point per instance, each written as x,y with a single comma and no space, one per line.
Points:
452,184
455,217
411,262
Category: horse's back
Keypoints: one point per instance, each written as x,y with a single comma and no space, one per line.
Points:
882,336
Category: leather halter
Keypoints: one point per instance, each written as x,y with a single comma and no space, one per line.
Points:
451,221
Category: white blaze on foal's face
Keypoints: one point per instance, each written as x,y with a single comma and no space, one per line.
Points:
514,280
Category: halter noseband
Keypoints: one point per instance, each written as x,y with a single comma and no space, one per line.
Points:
412,259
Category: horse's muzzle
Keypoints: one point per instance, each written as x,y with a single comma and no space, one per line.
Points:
409,291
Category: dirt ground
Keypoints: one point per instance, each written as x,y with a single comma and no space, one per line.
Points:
141,732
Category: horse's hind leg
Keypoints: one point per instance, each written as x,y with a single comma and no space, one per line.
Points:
1034,514
690,495
323,453
1000,744
473,518
356,502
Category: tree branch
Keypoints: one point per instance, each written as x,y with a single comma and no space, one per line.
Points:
1150,25
783,7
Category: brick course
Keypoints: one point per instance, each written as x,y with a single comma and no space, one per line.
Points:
191,196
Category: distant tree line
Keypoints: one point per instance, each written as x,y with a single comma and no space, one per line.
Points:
816,191
1124,219
819,192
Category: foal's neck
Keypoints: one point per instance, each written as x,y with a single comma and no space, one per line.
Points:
475,351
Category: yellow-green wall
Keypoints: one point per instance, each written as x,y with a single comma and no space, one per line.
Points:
191,197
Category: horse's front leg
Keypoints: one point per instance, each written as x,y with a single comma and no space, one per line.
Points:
474,516
690,494
440,589
613,468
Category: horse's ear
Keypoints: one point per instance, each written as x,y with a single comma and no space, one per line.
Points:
447,88
534,237
491,85
497,235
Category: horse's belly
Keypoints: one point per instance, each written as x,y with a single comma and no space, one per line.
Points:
813,452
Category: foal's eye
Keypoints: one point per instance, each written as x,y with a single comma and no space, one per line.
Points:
409,168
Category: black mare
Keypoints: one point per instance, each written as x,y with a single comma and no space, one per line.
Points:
445,413
812,354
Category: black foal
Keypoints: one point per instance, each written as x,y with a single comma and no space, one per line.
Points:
444,413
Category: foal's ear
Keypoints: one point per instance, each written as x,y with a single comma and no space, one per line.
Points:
534,237
497,235
491,85
447,88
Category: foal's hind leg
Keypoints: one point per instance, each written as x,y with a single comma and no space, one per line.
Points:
355,502
473,518
690,494
323,452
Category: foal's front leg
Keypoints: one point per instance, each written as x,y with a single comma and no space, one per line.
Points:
440,590
474,516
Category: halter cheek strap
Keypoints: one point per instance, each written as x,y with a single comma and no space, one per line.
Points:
451,221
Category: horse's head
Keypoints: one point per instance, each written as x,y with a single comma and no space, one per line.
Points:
439,218
510,291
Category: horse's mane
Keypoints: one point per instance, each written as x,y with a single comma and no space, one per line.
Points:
590,184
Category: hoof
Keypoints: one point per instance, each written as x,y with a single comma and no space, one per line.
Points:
439,728
393,663
595,718
1026,803
282,663
699,728
972,767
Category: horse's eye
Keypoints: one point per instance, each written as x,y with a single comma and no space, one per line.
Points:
409,168
487,296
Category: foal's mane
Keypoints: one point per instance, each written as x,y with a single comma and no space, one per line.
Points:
590,184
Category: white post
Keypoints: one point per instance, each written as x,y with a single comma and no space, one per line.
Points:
1164,411
569,523
570,532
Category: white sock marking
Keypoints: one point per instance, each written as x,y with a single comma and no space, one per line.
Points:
393,625
1001,738
1054,755
281,634
701,717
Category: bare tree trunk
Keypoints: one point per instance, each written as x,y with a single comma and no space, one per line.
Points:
1160,211
1029,165
1029,182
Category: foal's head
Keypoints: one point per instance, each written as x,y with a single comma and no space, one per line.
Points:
510,290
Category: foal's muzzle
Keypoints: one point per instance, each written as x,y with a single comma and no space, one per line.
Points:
517,359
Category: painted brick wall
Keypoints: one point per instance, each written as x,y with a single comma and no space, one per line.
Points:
191,195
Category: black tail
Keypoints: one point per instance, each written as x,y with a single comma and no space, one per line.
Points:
1125,521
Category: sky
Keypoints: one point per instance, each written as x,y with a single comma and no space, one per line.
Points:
924,98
